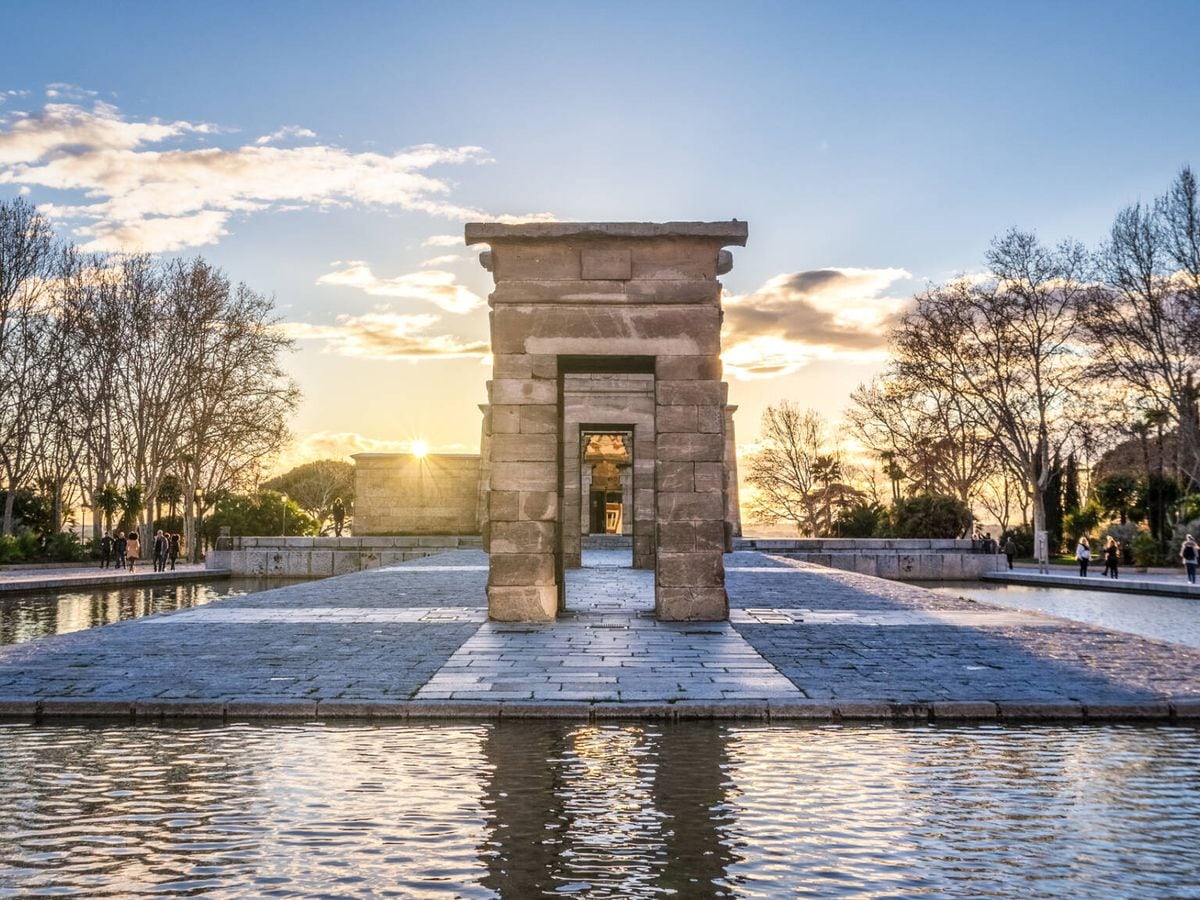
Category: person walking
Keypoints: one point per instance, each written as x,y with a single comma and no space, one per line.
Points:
160,551
133,548
1112,557
173,550
106,549
119,547
1083,554
1188,553
1010,550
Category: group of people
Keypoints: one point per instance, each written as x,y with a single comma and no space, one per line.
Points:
123,550
1111,553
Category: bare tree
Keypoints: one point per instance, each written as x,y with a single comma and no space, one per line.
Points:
1011,346
923,433
26,266
1142,321
792,468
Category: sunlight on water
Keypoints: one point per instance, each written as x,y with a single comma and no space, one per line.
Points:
1175,619
26,617
621,810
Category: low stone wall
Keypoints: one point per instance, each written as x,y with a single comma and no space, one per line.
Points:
901,559
320,557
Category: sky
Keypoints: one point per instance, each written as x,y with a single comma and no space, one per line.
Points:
329,155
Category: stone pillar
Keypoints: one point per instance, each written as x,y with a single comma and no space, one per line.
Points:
690,483
733,507
616,297
523,491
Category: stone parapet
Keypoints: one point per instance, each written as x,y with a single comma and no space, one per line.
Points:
321,557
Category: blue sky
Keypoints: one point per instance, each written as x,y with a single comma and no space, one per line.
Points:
878,138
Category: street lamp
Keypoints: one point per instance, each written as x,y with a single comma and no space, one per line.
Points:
283,515
199,498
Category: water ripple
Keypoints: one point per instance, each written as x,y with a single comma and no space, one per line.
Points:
621,810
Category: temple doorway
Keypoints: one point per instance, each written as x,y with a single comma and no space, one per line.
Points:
606,489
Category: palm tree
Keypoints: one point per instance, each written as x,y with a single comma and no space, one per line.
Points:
131,505
170,491
108,500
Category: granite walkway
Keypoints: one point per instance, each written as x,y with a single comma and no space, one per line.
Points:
413,640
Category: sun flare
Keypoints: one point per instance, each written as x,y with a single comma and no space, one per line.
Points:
420,448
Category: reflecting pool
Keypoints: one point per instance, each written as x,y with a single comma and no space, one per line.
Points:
617,810
1175,619
36,614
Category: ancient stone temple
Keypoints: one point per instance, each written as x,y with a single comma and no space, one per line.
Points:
606,409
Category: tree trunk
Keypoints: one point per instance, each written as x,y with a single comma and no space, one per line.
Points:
1039,510
10,500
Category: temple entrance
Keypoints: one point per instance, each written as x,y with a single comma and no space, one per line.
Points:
606,477
607,419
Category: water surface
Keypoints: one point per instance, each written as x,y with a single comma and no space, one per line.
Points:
618,810
1175,619
37,614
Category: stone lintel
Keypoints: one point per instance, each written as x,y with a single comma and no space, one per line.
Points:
732,232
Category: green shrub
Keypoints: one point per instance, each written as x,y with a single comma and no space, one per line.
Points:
860,521
65,547
1146,550
929,516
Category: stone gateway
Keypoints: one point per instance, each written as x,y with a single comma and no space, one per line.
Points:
606,340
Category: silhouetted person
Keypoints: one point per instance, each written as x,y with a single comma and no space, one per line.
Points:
339,516
1188,554
173,550
1112,557
120,545
161,543
106,549
1010,550
1083,555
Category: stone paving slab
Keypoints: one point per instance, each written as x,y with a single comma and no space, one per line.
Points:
412,641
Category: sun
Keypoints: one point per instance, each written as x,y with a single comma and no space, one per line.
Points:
420,448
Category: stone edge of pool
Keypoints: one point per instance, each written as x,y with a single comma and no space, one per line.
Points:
134,712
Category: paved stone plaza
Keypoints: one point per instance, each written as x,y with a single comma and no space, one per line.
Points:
413,639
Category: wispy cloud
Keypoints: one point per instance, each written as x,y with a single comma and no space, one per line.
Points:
384,334
156,185
444,240
445,260
803,317
434,286
285,133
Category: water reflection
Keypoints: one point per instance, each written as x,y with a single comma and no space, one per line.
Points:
26,617
615,810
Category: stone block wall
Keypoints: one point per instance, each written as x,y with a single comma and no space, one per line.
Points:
398,493
308,557
901,559
633,298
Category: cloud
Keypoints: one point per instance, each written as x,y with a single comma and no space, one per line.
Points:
155,185
435,261
803,317
387,335
444,240
431,285
287,131
65,91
